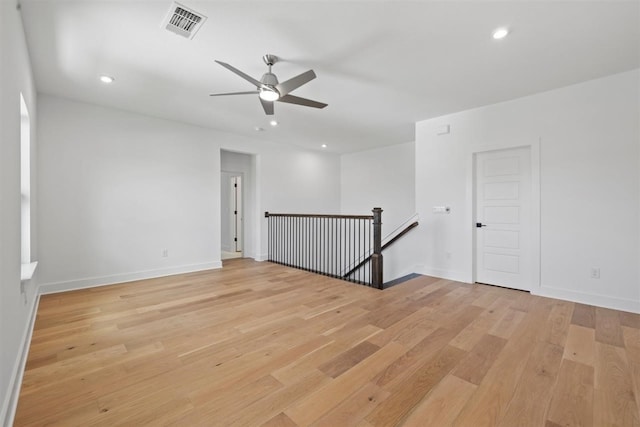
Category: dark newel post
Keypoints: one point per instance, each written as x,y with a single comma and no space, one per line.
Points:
376,258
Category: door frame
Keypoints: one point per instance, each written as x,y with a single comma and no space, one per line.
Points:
534,147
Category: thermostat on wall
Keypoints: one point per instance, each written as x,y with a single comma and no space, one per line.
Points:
441,209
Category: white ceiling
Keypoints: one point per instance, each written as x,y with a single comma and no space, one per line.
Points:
381,65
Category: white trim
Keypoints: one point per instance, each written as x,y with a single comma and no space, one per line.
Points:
590,299
91,282
262,257
534,147
10,403
458,276
27,271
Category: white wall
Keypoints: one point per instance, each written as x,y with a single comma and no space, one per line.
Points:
16,302
117,188
384,177
292,181
589,166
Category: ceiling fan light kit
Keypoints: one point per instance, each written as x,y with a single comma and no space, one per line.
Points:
270,90
269,94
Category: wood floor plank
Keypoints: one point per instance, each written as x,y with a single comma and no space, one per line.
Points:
348,359
489,320
353,409
271,404
398,406
260,344
280,420
630,320
558,323
414,321
608,327
441,406
614,399
506,326
584,315
475,365
315,405
489,403
531,398
632,346
572,401
409,363
580,345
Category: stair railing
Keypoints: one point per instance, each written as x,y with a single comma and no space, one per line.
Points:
388,243
329,244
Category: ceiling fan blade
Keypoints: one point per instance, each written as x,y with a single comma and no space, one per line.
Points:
295,82
267,106
240,73
301,101
253,92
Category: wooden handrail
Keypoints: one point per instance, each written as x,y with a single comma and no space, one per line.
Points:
386,245
268,214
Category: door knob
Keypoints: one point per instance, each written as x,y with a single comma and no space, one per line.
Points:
479,224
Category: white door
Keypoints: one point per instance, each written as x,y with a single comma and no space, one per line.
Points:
503,218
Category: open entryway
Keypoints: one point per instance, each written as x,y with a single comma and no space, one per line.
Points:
235,202
503,218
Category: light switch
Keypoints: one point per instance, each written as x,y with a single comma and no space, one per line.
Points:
441,209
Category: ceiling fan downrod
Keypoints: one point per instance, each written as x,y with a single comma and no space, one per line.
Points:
270,59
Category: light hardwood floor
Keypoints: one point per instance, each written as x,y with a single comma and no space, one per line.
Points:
257,344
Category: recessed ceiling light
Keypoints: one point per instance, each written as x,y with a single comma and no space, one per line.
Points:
273,123
258,129
324,145
106,79
500,33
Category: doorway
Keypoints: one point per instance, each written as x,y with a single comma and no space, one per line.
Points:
503,226
238,214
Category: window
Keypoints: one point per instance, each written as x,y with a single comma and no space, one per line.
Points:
25,191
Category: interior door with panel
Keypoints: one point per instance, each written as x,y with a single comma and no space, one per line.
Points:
503,218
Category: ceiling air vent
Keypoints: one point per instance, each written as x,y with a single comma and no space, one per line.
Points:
183,21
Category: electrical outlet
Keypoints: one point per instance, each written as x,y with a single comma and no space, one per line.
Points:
595,273
165,253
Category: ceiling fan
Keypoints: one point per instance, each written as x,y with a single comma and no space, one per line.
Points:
269,90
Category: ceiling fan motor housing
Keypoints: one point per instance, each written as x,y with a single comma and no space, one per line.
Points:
269,79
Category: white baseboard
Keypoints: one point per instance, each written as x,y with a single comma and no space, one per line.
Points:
10,403
443,274
558,293
590,299
91,282
262,257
